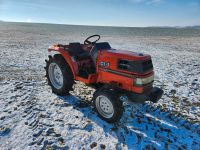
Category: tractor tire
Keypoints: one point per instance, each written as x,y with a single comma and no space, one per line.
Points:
59,75
108,105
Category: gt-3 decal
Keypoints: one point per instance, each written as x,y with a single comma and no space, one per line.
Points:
104,64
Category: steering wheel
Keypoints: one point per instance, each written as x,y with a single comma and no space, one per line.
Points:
87,41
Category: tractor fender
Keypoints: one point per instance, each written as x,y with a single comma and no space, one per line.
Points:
67,58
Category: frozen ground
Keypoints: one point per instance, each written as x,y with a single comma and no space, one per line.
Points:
31,117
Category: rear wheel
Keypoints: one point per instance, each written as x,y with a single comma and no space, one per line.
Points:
59,75
108,105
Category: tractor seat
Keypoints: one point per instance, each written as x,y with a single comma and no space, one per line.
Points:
76,50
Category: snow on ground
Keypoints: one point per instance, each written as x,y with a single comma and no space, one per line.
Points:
32,117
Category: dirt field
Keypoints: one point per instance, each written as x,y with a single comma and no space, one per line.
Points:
32,117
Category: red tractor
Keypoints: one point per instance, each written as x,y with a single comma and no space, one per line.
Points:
111,72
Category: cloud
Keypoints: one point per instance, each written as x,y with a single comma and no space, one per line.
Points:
29,20
137,1
147,1
154,1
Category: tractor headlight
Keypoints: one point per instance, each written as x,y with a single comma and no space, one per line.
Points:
143,81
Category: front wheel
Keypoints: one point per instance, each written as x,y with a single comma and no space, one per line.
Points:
108,105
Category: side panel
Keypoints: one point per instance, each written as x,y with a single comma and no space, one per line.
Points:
117,80
91,79
121,81
113,58
107,74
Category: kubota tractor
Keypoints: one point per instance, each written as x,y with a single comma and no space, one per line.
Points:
111,72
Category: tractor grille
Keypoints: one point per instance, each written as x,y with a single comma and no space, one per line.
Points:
135,66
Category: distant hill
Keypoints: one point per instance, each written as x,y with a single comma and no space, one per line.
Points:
194,27
178,27
190,27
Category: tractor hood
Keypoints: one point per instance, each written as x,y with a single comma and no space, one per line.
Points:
129,55
125,61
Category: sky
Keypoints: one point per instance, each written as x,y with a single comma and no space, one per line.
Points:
134,13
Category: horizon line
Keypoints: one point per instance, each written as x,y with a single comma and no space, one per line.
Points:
93,25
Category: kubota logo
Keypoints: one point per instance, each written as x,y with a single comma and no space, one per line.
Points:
104,64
